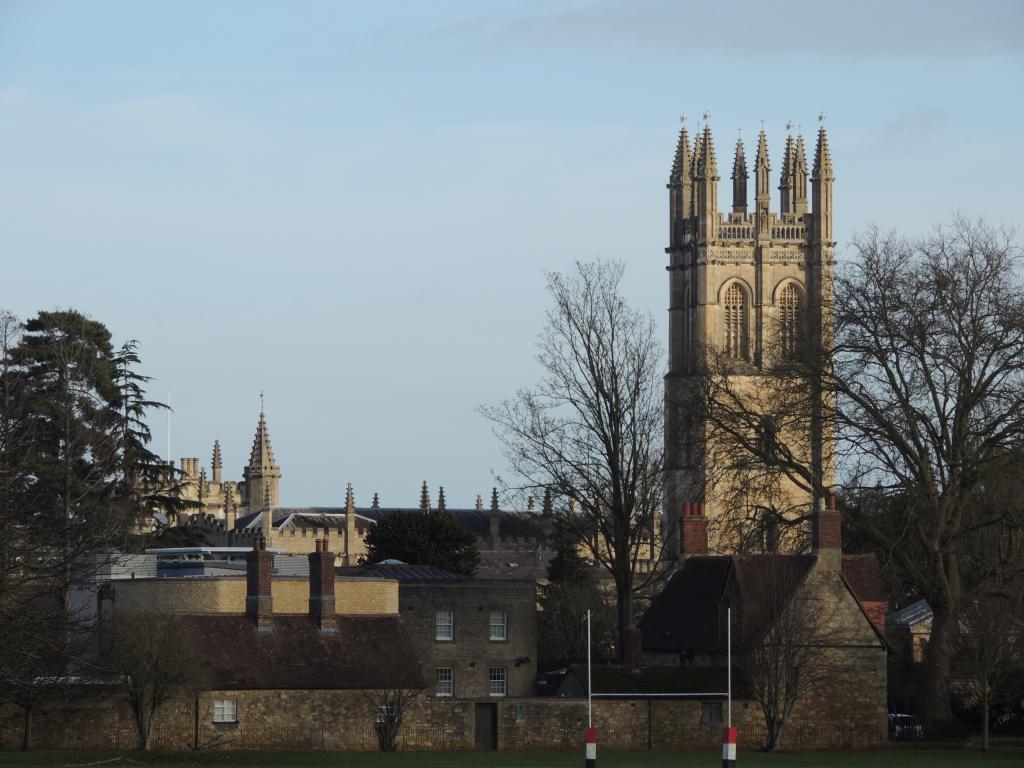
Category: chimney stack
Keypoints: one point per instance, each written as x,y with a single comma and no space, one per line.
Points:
259,604
693,532
828,534
321,587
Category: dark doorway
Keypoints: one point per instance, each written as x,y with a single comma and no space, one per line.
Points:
486,726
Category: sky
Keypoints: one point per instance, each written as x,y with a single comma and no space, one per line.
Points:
350,207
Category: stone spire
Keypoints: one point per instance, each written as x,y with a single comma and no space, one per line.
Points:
424,498
216,463
799,177
821,189
546,508
680,183
350,525
707,187
261,457
441,505
479,503
262,474
739,180
375,504
762,184
787,202
494,522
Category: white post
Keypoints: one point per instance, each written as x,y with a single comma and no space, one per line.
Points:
590,706
728,662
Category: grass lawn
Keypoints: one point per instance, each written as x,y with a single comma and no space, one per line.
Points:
892,758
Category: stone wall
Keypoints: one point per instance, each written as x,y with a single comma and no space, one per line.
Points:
226,594
471,653
344,720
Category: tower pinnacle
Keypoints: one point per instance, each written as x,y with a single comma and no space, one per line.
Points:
262,474
799,176
786,196
739,180
424,498
215,465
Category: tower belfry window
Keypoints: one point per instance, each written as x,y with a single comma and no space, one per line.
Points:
789,320
735,307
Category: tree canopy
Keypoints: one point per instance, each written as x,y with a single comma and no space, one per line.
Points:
433,538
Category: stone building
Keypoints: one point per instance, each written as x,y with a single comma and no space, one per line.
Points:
476,638
752,285
840,602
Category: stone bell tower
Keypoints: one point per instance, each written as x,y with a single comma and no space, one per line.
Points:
745,287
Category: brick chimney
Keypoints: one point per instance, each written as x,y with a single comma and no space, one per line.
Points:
828,534
321,587
259,604
693,531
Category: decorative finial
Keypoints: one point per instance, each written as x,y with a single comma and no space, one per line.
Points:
706,117
789,126
821,117
261,401
762,124
682,119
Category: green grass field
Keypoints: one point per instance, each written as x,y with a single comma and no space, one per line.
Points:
1003,757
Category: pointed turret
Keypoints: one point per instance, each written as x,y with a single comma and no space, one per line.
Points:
707,187
821,190
262,474
494,522
441,505
786,201
375,504
739,180
424,498
479,503
216,463
350,525
762,183
799,177
680,185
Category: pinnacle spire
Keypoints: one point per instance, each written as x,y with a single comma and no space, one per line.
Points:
350,503
261,457
786,177
707,166
822,158
479,503
424,498
546,507
375,504
441,506
494,500
215,465
739,180
682,161
799,176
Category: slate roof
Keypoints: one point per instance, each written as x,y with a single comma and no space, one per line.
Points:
864,576
510,524
366,652
400,572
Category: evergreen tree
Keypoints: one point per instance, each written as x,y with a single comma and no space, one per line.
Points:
423,538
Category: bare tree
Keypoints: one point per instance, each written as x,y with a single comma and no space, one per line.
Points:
388,707
784,643
151,656
922,380
993,627
590,432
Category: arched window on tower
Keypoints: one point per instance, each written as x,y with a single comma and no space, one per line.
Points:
735,305
790,306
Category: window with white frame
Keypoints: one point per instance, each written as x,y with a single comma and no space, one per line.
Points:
445,681
225,711
498,681
444,625
498,626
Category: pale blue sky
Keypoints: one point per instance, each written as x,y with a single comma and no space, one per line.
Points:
351,206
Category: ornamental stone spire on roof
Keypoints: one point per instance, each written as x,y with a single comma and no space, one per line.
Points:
215,465
375,504
822,157
739,180
441,505
262,456
682,160
424,498
799,176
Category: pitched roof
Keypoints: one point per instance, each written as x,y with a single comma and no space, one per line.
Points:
400,572
864,576
366,652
